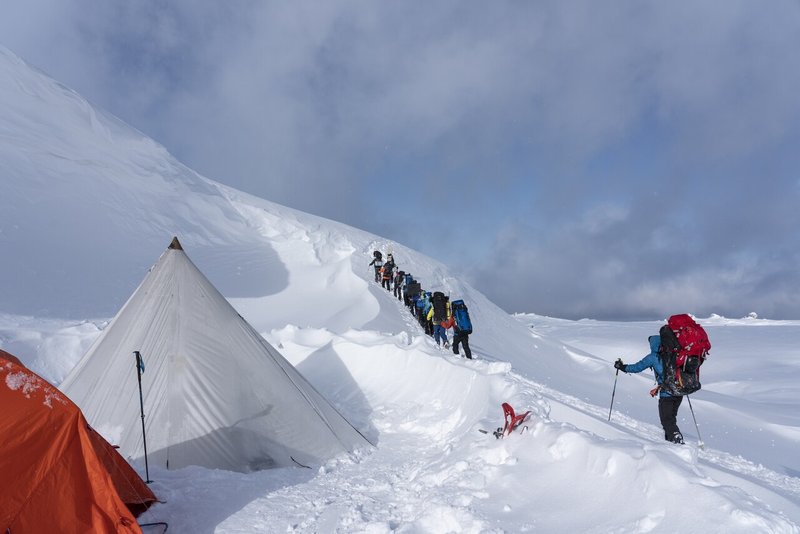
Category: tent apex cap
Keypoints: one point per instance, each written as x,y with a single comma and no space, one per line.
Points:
175,244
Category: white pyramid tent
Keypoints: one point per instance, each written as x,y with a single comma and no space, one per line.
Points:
215,393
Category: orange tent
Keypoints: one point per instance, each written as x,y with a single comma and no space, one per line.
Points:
58,474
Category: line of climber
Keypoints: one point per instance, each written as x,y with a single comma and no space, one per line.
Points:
434,311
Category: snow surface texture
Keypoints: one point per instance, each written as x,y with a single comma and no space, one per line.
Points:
88,205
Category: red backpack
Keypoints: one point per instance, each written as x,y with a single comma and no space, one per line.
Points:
684,348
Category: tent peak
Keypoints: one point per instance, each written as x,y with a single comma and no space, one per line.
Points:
175,245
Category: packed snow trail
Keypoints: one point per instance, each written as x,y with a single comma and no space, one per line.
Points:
416,436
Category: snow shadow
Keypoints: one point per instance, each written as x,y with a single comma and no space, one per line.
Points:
214,496
326,371
243,270
232,449
388,322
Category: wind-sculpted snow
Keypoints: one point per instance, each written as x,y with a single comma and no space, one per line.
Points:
434,472
88,204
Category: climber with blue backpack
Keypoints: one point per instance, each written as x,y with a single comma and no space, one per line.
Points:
461,324
411,294
421,306
409,286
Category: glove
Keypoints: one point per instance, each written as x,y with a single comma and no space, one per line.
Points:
618,365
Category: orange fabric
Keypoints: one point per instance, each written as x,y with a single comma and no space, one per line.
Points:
133,491
10,357
54,479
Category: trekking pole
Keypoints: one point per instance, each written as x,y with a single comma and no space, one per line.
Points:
613,392
139,371
700,440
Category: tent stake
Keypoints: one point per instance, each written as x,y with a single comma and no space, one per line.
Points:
139,371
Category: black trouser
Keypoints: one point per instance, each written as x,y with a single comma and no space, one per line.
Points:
460,337
668,413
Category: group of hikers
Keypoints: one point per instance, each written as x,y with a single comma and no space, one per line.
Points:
675,354
433,310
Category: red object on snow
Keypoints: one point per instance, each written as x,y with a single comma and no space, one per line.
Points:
512,421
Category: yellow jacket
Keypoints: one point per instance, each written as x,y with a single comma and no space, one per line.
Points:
430,312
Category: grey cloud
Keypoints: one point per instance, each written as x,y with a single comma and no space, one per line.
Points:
648,260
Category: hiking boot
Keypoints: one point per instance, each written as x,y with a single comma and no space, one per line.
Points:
677,437
446,345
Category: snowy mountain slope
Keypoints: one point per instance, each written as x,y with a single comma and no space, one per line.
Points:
88,205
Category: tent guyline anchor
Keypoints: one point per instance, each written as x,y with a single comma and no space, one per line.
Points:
139,371
156,524
298,463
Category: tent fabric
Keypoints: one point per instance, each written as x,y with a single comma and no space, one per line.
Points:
58,474
215,393
10,357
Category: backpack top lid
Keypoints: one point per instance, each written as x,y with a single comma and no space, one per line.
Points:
691,337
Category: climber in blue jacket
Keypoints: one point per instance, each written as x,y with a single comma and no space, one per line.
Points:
668,404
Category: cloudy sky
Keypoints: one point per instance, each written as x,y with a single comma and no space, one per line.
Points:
612,160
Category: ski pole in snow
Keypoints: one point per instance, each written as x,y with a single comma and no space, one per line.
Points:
613,392
699,439
139,371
